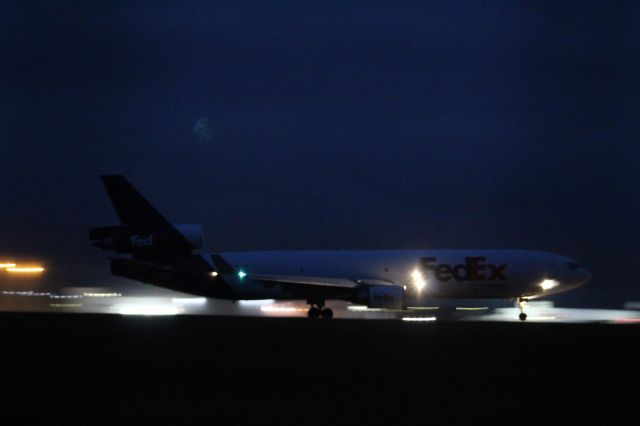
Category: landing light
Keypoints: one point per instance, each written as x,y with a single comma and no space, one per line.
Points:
549,284
242,274
213,273
418,279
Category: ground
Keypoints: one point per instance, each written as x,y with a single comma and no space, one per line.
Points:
220,370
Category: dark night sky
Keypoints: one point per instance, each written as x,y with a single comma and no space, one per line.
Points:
330,125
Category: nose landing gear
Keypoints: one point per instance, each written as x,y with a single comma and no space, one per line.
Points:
522,303
318,310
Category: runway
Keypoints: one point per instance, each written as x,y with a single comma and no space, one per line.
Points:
109,301
109,355
229,370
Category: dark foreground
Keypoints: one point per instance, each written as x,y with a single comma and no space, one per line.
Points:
84,369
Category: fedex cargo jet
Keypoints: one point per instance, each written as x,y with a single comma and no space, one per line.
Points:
171,256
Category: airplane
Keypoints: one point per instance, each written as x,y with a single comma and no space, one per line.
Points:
172,256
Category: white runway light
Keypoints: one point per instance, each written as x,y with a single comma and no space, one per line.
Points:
419,319
150,310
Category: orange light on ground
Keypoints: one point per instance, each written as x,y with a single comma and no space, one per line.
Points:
7,265
26,269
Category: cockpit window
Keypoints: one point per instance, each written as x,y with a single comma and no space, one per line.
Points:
573,265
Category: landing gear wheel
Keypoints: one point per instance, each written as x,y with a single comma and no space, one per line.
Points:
327,313
522,303
314,313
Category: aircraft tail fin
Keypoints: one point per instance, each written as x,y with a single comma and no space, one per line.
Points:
143,230
130,206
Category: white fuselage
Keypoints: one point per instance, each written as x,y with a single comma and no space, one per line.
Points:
472,273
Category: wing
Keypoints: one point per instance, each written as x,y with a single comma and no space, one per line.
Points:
319,288
318,281
374,293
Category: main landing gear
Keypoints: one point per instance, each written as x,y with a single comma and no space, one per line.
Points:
318,310
522,303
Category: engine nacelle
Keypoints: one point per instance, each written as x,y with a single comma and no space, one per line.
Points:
131,239
381,296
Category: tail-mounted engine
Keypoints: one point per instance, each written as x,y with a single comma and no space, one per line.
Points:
135,239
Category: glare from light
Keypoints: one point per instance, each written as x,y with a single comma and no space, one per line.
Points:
7,265
259,302
548,284
189,300
418,319
358,308
65,305
481,308
242,274
213,273
423,308
149,310
418,280
26,269
268,308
